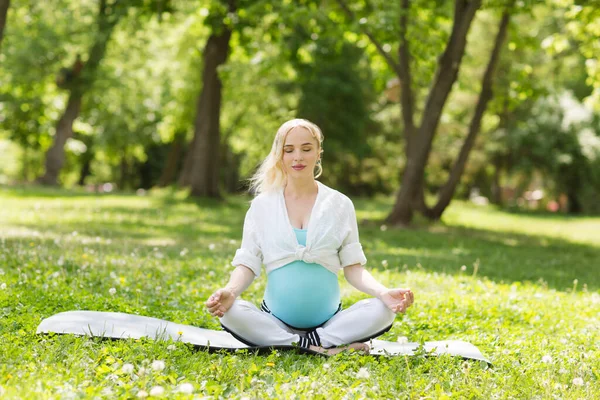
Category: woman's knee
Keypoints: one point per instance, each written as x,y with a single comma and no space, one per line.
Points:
383,313
237,310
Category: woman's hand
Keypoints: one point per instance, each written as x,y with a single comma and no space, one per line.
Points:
219,302
397,300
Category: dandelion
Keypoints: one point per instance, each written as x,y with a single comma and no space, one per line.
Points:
463,268
180,333
326,366
384,263
270,364
363,373
186,388
171,347
142,394
112,291
3,286
383,228
141,371
402,339
127,368
577,381
158,365
547,359
157,391
211,246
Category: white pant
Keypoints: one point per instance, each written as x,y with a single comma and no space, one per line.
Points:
364,320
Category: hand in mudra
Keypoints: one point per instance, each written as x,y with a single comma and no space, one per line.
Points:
219,302
397,300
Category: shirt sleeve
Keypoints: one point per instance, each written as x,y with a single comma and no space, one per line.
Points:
351,251
249,254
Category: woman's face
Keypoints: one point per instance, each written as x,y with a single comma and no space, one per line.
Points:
300,153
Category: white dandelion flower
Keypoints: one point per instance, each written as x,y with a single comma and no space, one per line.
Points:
186,388
157,391
384,263
402,339
127,368
112,291
171,347
326,366
547,359
158,365
3,286
577,381
211,246
142,394
363,373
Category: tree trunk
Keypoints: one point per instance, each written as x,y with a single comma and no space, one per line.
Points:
420,145
447,191
86,170
201,167
496,187
167,176
4,4
55,156
123,172
64,129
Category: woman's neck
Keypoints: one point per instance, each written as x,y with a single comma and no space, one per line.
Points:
296,189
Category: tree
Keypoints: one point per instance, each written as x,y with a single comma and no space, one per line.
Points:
4,4
201,165
78,79
419,137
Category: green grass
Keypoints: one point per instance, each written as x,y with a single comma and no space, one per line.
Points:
522,287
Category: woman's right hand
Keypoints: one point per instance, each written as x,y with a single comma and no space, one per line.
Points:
219,302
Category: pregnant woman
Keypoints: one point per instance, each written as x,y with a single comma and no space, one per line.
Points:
304,233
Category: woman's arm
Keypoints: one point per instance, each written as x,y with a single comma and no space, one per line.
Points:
222,300
240,279
362,279
397,300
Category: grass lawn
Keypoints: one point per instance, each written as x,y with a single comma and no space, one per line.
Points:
524,288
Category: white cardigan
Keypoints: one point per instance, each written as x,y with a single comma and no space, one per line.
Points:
269,237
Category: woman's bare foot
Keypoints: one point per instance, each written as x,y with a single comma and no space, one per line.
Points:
358,346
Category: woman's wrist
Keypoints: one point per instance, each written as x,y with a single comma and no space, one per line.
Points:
235,291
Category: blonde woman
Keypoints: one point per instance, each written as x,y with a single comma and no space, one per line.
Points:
303,232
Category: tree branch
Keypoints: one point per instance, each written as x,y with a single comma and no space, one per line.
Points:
390,61
406,94
447,191
447,70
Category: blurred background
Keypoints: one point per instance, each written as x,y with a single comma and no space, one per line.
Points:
493,101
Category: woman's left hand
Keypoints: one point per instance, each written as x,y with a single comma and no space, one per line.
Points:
397,300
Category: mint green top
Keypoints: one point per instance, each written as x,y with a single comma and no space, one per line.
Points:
303,295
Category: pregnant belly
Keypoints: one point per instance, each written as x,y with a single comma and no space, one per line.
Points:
302,295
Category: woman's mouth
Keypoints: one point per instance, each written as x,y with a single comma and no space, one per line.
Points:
299,167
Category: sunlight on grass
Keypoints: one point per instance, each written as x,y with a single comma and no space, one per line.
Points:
523,288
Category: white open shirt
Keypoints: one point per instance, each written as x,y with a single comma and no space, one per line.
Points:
269,238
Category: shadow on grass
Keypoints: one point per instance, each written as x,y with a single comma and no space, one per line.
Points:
499,256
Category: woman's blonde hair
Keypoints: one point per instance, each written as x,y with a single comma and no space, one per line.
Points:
271,175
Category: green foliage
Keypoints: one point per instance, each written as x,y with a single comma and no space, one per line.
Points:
561,139
527,296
